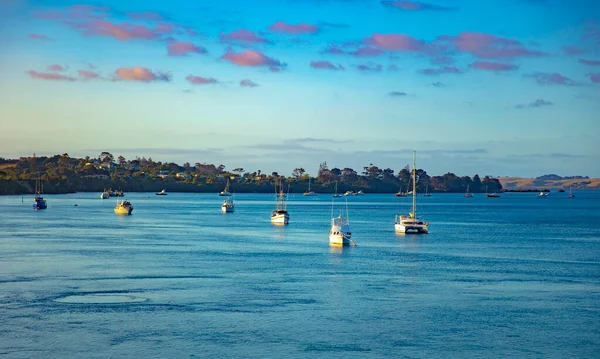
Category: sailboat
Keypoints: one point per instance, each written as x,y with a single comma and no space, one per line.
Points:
339,233
280,214
468,194
336,194
571,195
225,192
38,201
309,192
427,194
400,193
543,194
228,206
411,223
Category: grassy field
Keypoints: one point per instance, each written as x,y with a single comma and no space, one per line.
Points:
532,183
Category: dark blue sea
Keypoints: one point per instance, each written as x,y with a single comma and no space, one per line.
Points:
510,277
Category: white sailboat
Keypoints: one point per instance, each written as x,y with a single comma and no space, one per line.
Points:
543,194
225,192
427,194
571,195
228,206
468,194
336,194
339,233
280,215
309,192
411,223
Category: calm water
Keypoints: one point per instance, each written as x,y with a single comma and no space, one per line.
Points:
515,276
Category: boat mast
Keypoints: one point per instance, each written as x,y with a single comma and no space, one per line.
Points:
414,191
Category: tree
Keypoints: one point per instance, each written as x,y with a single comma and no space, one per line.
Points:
349,175
121,160
298,172
476,186
106,157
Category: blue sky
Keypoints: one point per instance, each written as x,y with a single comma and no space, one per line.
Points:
501,87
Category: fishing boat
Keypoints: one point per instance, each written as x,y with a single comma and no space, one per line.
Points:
161,193
571,195
336,194
491,195
118,193
124,207
228,206
411,223
280,215
38,201
309,192
468,194
105,195
427,194
339,233
225,192
543,194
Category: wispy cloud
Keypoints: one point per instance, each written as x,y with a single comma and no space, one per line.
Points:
183,48
39,37
295,29
198,80
56,67
571,50
396,42
589,62
140,74
440,70
492,66
416,6
369,67
248,83
88,75
544,78
244,36
366,52
49,76
489,46
325,65
145,15
122,32
397,94
252,58
442,60
595,78
537,103
437,84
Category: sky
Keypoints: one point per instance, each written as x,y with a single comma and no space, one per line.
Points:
495,87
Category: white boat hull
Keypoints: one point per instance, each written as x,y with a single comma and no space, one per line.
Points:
226,209
339,240
411,228
280,219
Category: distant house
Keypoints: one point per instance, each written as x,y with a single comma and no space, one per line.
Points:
183,175
107,166
163,174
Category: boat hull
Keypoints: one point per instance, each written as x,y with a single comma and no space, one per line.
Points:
226,209
280,218
411,228
339,240
123,211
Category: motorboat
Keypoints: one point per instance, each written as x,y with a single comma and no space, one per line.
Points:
124,208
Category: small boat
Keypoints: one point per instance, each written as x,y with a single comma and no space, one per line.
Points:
400,193
411,223
161,193
560,190
491,195
571,195
280,215
225,192
468,194
339,233
105,195
335,194
116,193
349,193
124,207
309,192
427,194
543,194
228,206
360,193
38,201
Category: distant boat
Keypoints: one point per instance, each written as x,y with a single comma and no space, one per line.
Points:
118,193
411,223
336,194
225,192
309,192
491,195
468,194
124,207
228,205
280,215
360,192
560,190
400,193
571,195
543,194
349,193
38,201
339,233
161,193
105,195
427,194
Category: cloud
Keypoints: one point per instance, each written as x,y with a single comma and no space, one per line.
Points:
440,70
248,83
88,8
488,46
537,103
366,51
325,65
589,62
145,15
334,50
243,35
492,66
573,51
333,25
442,60
56,68
252,58
416,6
369,67
142,74
544,78
197,80
393,67
88,74
49,76
396,42
397,94
183,48
301,28
74,12
123,32
437,84
39,37
595,78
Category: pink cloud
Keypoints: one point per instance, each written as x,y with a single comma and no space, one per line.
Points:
442,60
595,78
573,51
197,80
489,46
325,65
302,28
544,78
145,15
396,42
74,12
243,35
367,51
252,58
589,62
441,70
123,32
88,74
369,68
49,76
415,6
334,50
182,48
492,66
56,68
142,74
248,83
88,8
39,37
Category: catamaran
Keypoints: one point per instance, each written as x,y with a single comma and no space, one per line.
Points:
309,192
225,192
412,223
38,201
339,233
468,194
280,214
